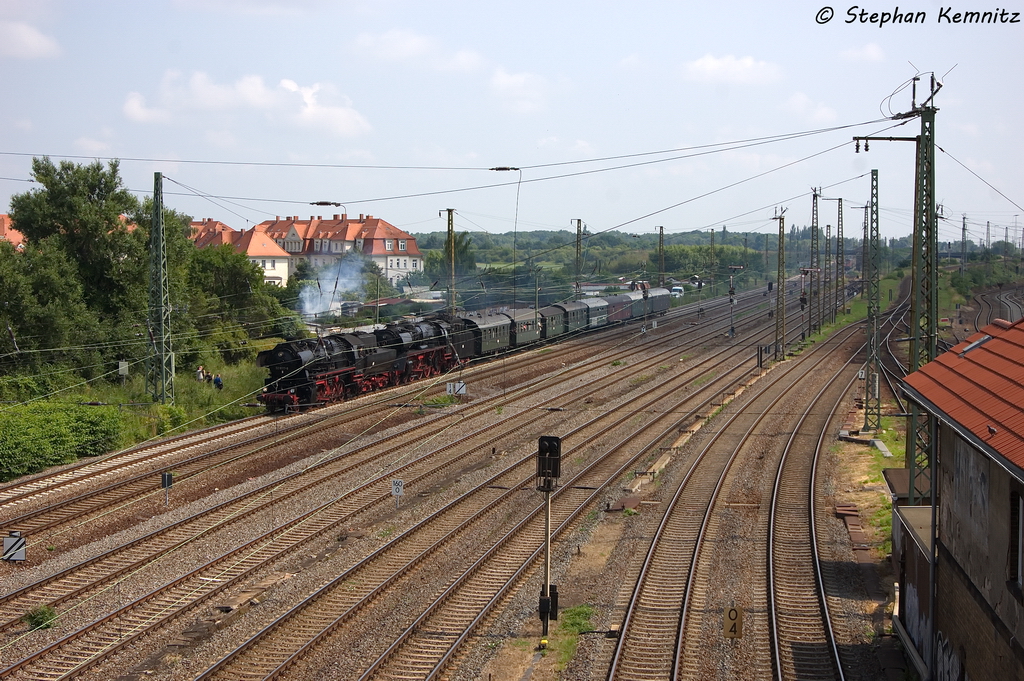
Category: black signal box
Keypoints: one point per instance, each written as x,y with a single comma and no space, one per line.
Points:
549,456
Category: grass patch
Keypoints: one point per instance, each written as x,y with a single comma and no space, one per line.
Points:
440,401
42,617
617,363
571,622
642,378
702,380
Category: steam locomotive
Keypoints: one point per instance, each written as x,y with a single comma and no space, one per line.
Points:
316,371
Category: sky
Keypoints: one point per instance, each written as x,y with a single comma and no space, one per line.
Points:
628,116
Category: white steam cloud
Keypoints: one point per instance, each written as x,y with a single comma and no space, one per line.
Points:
332,283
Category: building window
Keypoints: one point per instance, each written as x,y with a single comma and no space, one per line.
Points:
264,264
414,263
405,264
389,245
273,264
401,244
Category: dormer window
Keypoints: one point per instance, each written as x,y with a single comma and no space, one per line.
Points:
389,245
401,244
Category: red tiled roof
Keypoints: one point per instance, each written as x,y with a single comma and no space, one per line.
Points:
253,242
209,232
256,243
8,233
372,230
979,384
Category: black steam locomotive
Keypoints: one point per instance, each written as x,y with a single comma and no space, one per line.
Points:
316,371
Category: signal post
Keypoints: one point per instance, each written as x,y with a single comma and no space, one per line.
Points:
549,469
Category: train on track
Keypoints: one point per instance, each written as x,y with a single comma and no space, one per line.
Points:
316,371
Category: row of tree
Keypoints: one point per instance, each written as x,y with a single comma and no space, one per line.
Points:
75,300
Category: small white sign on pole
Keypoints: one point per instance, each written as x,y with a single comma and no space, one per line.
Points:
397,489
457,388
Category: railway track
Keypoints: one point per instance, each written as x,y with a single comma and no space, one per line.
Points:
667,616
122,628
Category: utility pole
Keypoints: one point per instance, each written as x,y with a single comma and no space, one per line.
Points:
579,257
780,289
745,277
963,249
160,360
814,314
925,301
840,262
828,309
661,256
451,260
714,279
872,396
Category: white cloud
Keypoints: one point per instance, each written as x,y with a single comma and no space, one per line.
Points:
339,120
223,139
870,52
201,92
802,105
400,45
731,70
630,62
18,39
583,147
200,95
91,146
522,92
135,109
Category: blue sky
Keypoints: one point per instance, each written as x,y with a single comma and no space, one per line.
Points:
435,93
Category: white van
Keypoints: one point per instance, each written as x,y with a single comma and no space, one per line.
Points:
677,291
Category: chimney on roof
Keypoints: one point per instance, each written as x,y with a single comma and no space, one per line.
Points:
319,217
311,218
337,217
344,216
361,217
277,218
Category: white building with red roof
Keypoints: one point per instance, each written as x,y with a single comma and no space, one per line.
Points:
960,562
255,243
324,242
11,235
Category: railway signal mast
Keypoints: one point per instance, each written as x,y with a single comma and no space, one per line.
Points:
549,469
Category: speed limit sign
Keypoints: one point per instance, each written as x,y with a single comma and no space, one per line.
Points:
397,487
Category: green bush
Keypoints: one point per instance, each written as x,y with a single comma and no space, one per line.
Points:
35,436
42,617
169,418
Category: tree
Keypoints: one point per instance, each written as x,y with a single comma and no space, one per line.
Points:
438,264
81,208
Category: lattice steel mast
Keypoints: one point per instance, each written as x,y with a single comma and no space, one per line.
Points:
814,314
160,361
872,396
924,301
780,290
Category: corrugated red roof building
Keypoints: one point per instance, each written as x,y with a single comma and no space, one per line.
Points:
961,608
